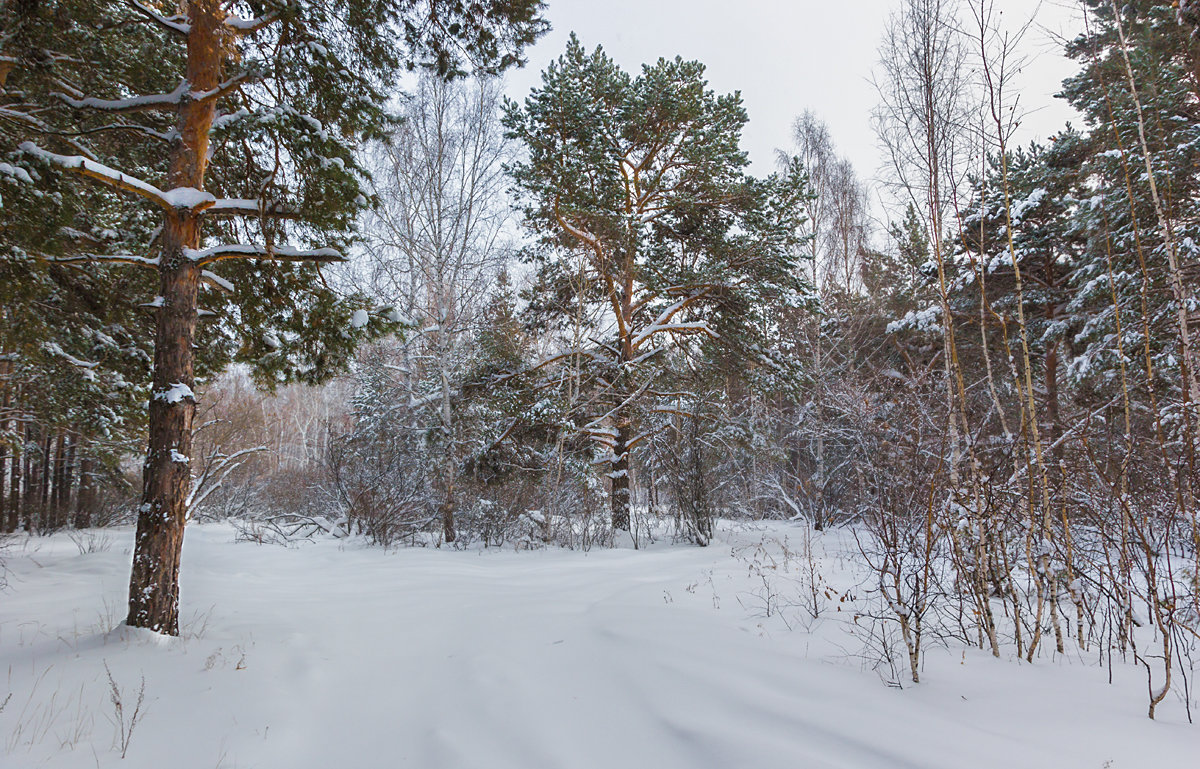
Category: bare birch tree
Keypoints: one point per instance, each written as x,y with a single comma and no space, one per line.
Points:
437,243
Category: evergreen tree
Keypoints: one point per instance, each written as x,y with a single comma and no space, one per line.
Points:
221,141
1024,214
643,174
1138,94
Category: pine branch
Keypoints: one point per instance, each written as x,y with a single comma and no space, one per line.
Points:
277,254
158,101
230,85
145,131
249,207
86,259
100,173
175,24
216,281
241,27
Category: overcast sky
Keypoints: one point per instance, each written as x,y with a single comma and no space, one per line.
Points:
786,56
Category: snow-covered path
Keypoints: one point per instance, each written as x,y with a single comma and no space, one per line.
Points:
330,656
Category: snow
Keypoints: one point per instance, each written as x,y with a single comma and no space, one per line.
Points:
250,25
130,104
188,198
218,281
16,172
55,349
333,654
72,162
176,23
175,394
227,119
250,251
395,316
918,320
359,318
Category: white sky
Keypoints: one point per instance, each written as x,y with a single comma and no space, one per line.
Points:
786,56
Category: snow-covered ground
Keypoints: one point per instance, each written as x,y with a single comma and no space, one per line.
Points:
333,654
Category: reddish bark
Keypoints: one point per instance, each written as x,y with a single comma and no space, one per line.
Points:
154,581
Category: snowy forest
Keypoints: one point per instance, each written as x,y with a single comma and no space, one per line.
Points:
505,421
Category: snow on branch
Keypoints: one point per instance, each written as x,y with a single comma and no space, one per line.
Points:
101,173
189,198
176,24
694,327
663,323
132,104
176,393
591,240
85,259
156,101
216,280
248,207
241,26
222,89
185,198
278,254
54,349
15,172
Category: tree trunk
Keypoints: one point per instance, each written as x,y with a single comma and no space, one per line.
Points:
448,507
166,476
14,479
7,524
86,498
69,477
27,480
620,475
43,493
449,466
58,512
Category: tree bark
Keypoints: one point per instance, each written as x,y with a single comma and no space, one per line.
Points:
166,476
27,479
43,485
620,475
449,466
58,513
70,477
14,479
7,524
86,498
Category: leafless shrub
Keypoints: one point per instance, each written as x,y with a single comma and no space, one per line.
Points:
123,723
88,541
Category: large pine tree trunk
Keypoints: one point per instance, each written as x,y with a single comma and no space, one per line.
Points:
620,475
154,581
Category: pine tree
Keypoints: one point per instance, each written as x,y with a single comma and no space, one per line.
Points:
643,174
1024,214
1137,92
223,139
